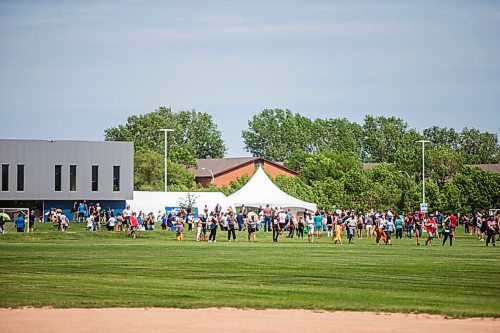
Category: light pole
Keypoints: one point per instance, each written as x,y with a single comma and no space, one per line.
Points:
165,130
211,173
423,142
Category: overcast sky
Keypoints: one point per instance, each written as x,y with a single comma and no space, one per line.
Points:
70,69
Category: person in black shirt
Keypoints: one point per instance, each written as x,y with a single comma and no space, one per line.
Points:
300,228
213,229
31,221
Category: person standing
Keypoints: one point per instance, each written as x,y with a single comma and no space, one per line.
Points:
31,221
418,227
134,223
231,227
310,226
490,230
447,231
409,225
74,211
430,227
369,226
127,213
213,228
329,225
399,227
380,225
300,227
240,218
198,229
466,222
276,228
351,227
337,233
282,220
203,221
359,225
389,229
81,212
291,226
19,222
454,223
318,221
251,226
267,218
111,223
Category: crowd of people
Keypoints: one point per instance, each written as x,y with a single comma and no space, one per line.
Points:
382,226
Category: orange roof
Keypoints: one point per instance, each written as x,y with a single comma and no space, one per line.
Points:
223,165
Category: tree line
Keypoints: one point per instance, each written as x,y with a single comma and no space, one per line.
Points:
329,154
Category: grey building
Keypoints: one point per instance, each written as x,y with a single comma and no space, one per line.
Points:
53,174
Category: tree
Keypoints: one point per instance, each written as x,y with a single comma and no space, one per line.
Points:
442,138
479,148
149,172
338,135
276,134
443,164
383,138
195,134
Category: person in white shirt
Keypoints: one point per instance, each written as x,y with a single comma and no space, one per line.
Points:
111,223
90,223
282,221
310,227
64,222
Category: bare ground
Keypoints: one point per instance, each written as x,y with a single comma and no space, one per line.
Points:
222,320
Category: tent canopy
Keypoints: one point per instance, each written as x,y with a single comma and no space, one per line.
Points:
157,201
260,191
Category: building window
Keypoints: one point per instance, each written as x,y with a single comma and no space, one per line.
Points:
5,177
95,178
58,177
20,177
72,178
116,178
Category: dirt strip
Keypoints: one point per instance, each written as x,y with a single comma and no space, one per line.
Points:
222,320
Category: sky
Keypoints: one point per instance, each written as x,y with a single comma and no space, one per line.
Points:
71,69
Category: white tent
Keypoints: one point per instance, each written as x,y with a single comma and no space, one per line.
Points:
260,191
157,201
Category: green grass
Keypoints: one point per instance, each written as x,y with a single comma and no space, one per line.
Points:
107,269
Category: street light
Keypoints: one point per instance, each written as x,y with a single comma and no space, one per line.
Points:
211,173
423,142
165,130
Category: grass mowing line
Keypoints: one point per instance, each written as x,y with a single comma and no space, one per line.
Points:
111,270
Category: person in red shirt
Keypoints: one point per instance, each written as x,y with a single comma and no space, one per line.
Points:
454,222
133,225
430,227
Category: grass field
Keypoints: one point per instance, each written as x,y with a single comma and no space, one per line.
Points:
107,269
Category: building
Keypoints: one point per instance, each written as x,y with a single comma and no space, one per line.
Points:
40,174
221,171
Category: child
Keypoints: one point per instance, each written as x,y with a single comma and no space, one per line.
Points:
90,223
179,230
198,229
337,232
134,223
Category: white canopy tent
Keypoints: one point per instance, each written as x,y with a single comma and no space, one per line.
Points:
260,191
157,201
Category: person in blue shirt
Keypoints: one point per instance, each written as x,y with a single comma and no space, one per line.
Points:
19,223
81,212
